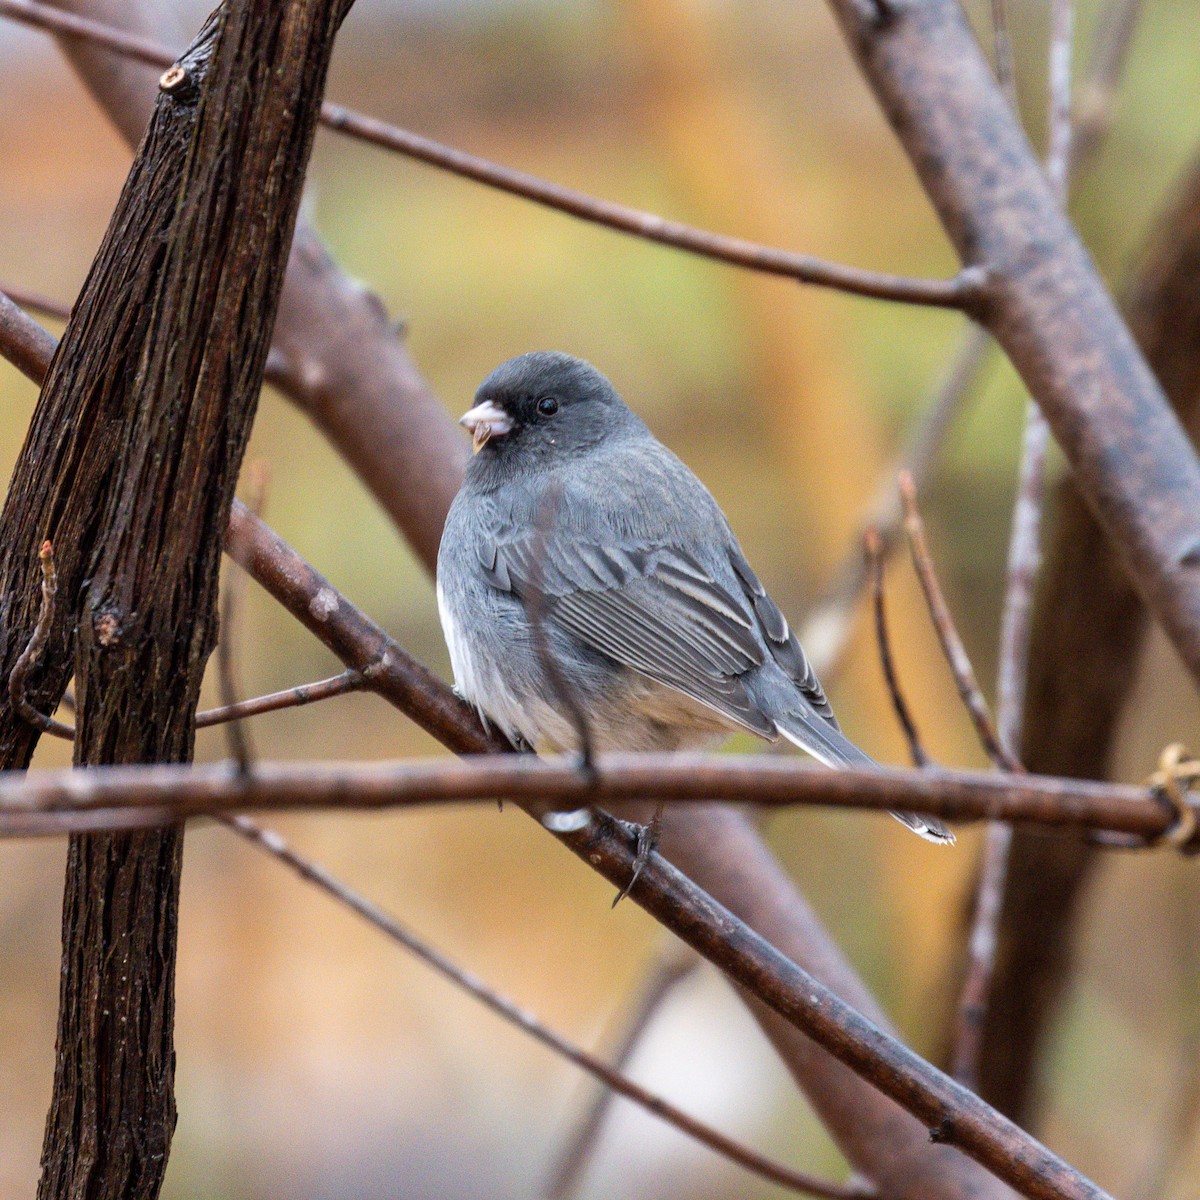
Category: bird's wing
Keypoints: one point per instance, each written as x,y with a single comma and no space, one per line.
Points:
780,640
658,610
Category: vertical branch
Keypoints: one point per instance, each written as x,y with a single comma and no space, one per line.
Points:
129,466
1024,555
1088,631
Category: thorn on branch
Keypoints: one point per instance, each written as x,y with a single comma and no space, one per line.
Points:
33,651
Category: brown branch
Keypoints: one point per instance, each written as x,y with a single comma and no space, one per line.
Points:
335,352
129,467
959,292
271,843
1024,558
1088,631
293,697
1045,303
874,554
779,985
828,626
155,795
25,343
954,1114
948,635
673,967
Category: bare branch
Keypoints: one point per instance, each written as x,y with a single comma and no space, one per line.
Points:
23,342
948,636
140,796
1046,305
961,292
874,555
271,843
1024,558
294,697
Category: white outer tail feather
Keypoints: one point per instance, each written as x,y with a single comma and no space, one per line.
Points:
833,749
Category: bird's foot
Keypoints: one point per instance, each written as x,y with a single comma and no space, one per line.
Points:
645,843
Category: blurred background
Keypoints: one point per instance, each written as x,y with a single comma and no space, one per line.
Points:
313,1058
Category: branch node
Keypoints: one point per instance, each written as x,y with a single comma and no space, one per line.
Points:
942,1134
108,629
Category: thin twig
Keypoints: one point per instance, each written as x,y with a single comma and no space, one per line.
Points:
271,843
947,631
36,302
1024,557
130,797
294,697
873,548
827,628
960,292
33,651
671,969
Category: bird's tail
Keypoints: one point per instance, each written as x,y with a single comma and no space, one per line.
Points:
828,745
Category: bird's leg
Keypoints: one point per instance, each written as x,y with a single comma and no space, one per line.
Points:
646,839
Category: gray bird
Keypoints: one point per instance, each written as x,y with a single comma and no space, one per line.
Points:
572,514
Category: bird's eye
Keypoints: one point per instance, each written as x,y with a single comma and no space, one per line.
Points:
547,406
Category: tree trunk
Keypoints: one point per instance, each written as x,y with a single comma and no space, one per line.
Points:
129,468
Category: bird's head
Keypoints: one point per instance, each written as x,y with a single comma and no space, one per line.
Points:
542,406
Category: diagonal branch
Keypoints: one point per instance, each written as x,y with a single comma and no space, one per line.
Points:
1045,304
614,1082
951,1113
959,292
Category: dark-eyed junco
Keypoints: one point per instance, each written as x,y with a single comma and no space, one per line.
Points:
642,596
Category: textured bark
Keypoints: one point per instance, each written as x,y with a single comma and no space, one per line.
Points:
1088,630
336,352
129,468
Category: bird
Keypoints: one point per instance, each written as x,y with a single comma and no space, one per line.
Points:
581,553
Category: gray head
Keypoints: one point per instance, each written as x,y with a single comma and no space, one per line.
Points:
540,407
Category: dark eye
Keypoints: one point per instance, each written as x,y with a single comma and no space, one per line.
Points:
547,406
